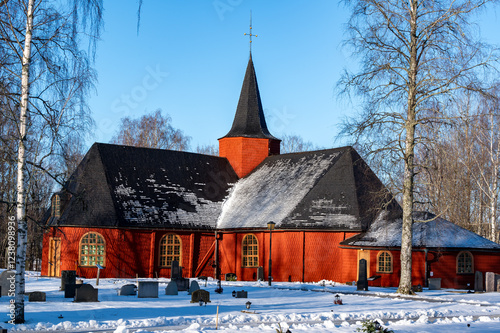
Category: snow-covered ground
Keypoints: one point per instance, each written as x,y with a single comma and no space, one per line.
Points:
294,306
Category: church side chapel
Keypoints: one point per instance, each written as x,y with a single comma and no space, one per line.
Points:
134,211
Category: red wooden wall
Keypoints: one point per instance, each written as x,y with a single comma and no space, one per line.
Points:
305,256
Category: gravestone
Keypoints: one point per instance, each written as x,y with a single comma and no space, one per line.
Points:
148,289
241,294
478,281
70,290
37,296
182,284
434,283
7,282
67,277
193,287
128,290
176,270
260,273
86,293
201,294
172,289
362,276
490,282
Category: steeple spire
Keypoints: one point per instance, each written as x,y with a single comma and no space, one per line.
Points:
249,120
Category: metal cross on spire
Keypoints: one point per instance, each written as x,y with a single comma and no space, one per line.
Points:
249,34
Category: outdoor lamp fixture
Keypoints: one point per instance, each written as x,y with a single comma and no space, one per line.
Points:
234,293
270,226
337,300
248,305
201,302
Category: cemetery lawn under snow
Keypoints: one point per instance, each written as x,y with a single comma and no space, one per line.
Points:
298,307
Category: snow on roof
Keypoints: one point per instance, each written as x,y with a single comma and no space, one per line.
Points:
273,190
429,231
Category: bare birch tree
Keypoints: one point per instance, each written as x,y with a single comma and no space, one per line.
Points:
413,56
50,78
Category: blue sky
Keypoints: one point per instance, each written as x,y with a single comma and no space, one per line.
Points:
189,60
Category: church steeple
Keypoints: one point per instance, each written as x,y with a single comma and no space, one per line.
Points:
248,142
249,120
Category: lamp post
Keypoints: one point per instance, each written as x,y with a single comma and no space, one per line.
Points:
270,226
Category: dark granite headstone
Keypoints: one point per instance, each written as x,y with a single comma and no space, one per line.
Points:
176,270
182,284
193,287
37,296
201,294
7,282
241,294
67,277
148,289
128,290
478,281
260,273
70,290
362,283
86,293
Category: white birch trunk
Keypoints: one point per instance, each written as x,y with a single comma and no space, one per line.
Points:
409,168
21,166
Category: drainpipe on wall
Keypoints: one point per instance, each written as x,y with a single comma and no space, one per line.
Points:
426,284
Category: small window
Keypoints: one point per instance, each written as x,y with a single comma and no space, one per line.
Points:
170,250
250,251
465,263
92,250
56,206
384,262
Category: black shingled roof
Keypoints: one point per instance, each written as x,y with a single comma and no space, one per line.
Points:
249,120
330,189
123,186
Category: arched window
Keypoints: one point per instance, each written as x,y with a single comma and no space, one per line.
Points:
92,250
56,206
465,262
250,251
384,262
170,250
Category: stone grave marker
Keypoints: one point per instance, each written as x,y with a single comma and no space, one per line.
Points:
86,293
37,296
193,287
176,270
172,289
201,294
67,277
148,289
70,290
478,281
434,283
7,282
241,294
490,282
128,290
260,273
362,283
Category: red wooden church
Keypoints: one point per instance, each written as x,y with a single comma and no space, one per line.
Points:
135,210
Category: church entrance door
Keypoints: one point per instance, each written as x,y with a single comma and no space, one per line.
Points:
55,256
